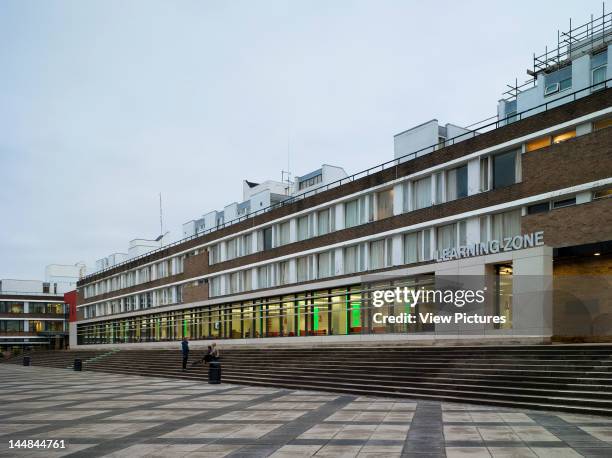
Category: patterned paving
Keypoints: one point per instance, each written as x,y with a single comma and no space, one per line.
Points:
125,416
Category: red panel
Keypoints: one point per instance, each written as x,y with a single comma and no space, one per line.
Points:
70,298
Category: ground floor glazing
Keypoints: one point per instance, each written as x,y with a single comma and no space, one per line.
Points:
339,311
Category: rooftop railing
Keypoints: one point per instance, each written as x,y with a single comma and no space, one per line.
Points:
476,129
30,293
577,39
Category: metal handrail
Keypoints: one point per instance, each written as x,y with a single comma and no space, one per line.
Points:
471,133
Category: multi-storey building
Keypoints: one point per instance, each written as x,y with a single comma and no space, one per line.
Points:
33,313
521,204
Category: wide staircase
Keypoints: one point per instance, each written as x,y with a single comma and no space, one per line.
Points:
573,378
61,359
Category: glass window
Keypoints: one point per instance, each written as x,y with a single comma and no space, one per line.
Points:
231,250
506,224
538,143
213,255
284,233
600,58
411,248
462,233
247,277
324,221
324,266
439,187
538,208
422,193
339,312
426,236
602,124
351,213
602,193
599,77
283,273
377,254
406,190
267,238
310,181
262,278
565,84
302,269
504,169
288,316
215,289
302,227
234,282
384,204
351,259
447,236
564,136
456,183
564,203
247,244
484,174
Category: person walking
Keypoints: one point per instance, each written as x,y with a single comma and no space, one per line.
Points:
185,351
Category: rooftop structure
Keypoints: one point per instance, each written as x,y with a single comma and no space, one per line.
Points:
260,196
577,64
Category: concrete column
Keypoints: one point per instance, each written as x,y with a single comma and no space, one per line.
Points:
72,335
532,288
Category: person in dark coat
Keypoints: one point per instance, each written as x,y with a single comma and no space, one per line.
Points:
208,355
185,351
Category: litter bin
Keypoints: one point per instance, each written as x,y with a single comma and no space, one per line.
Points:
214,372
27,361
78,364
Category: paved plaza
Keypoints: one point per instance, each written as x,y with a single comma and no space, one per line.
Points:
101,414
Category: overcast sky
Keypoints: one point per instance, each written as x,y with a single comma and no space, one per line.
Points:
104,104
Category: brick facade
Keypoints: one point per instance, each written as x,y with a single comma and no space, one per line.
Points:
591,151
575,225
589,104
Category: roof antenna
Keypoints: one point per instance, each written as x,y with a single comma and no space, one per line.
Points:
161,221
287,172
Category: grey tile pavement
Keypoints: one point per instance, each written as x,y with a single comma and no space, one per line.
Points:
99,414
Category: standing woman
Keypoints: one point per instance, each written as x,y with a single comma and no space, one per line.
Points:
185,351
